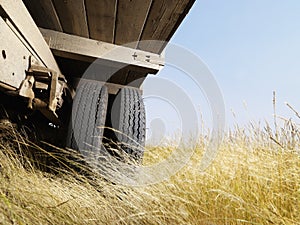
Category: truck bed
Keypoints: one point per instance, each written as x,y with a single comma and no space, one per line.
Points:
113,21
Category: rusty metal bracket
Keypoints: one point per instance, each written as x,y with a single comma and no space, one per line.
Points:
26,90
53,89
50,81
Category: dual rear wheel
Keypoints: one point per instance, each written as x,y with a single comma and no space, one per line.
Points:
103,124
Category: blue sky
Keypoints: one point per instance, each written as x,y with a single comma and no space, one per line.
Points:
252,47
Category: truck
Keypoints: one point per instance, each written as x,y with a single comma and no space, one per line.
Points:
77,66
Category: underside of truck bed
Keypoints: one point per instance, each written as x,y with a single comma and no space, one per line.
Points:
80,64
113,21
117,22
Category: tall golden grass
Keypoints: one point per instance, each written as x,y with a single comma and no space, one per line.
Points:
255,179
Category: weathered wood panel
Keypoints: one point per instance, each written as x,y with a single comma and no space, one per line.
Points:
164,18
101,19
45,10
113,21
84,49
72,14
131,16
135,78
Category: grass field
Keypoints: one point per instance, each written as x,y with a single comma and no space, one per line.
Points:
254,180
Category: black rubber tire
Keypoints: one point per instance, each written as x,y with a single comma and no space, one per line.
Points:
127,118
88,119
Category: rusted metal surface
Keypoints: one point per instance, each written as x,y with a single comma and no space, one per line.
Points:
47,80
54,92
26,90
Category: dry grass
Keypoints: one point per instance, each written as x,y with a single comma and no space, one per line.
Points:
254,180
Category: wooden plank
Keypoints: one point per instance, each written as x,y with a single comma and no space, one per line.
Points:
101,19
119,77
131,16
18,14
84,49
44,14
164,18
72,15
135,78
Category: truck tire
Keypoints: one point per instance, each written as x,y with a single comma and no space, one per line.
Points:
88,119
127,120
